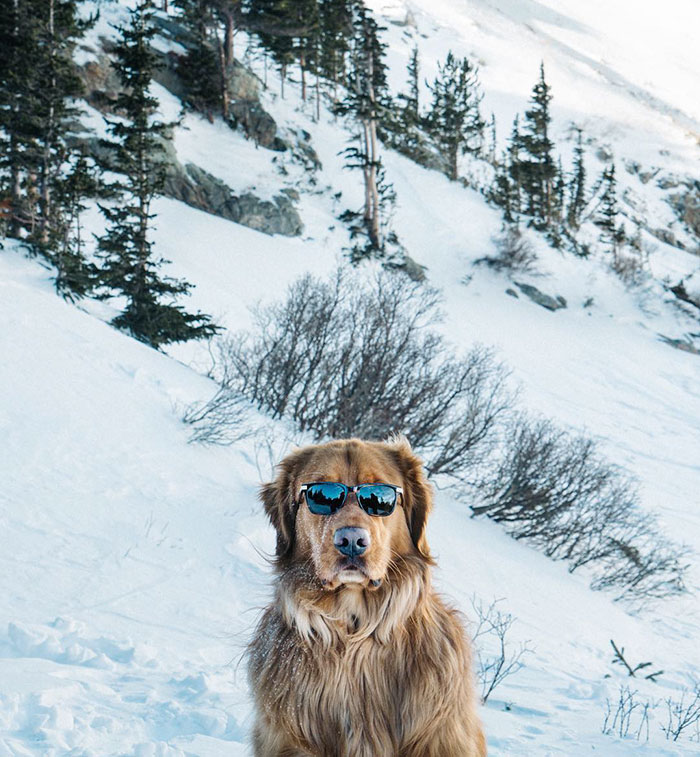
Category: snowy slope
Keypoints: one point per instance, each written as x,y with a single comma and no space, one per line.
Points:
134,564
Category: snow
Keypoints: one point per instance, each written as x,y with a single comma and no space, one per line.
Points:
134,564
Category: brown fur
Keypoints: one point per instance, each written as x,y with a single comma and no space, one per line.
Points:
344,669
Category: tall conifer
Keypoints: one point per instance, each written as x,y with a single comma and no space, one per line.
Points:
454,120
130,266
536,166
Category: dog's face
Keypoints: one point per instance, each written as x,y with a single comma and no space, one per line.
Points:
319,540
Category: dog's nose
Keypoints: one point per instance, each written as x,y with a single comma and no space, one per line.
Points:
351,541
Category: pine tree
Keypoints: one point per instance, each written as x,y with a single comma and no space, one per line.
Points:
334,39
18,92
493,142
200,68
454,120
502,190
411,103
511,176
366,99
536,168
577,185
606,217
75,276
130,267
37,115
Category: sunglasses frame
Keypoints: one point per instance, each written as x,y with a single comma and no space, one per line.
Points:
351,489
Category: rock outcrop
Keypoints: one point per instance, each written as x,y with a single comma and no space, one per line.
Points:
542,299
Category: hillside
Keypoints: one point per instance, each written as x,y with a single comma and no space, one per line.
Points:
134,563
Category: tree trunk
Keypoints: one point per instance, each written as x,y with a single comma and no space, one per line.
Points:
223,71
374,227
375,232
229,31
48,136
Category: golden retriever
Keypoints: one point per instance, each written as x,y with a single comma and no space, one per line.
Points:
357,656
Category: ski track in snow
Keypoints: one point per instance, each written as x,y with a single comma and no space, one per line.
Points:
132,565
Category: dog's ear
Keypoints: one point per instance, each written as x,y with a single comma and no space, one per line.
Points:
279,500
417,492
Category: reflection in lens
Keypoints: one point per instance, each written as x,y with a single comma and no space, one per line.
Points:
377,500
324,499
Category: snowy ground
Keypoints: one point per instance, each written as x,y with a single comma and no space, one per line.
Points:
133,564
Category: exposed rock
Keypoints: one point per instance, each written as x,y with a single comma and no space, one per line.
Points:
687,207
102,86
685,345
680,291
199,189
668,181
666,236
512,293
257,123
551,303
415,271
101,83
420,151
604,153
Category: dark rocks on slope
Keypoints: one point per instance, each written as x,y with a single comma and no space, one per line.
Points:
199,189
542,299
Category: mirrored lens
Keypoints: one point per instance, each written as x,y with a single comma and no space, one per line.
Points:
324,499
377,499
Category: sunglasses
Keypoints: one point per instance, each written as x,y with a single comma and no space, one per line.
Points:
326,498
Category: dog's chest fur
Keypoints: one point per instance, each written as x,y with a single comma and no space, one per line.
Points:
358,695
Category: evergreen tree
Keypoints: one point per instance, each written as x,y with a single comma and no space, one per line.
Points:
411,104
454,120
334,39
366,100
577,185
493,142
38,84
502,190
75,276
130,267
510,192
536,167
199,69
606,216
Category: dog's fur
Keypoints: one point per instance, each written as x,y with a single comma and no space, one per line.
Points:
339,666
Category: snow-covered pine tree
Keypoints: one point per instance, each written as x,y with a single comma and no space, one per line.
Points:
577,185
129,265
454,120
366,99
536,166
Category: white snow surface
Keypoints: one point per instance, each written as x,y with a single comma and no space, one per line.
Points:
134,564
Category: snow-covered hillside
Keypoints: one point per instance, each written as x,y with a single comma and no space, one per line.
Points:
133,563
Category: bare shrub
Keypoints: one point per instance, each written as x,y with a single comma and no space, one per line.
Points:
556,491
629,265
220,420
491,629
682,714
628,715
514,252
347,357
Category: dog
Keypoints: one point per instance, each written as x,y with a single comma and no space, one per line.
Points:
357,656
